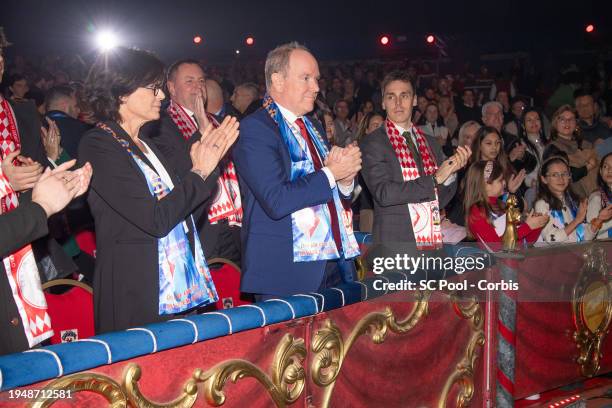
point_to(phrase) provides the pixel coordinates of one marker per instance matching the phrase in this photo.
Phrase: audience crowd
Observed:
(507, 133)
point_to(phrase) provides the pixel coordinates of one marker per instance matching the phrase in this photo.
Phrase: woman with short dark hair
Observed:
(150, 264)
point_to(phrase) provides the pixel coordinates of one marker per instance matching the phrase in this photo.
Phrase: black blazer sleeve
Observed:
(120, 183)
(29, 124)
(25, 224)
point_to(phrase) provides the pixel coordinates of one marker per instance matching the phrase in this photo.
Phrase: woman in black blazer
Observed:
(147, 250)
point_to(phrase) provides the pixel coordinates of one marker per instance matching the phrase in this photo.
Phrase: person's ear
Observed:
(278, 82)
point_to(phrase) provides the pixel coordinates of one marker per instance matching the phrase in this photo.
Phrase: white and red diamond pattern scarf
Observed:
(227, 202)
(425, 217)
(20, 266)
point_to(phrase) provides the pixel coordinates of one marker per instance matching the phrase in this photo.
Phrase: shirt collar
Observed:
(190, 113)
(187, 111)
(400, 129)
(287, 114)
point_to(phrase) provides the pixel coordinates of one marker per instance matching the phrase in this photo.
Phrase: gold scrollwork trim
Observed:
(329, 349)
(590, 333)
(97, 383)
(130, 385)
(463, 375)
(285, 385)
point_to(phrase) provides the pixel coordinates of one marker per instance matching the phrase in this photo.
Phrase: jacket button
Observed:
(15, 321)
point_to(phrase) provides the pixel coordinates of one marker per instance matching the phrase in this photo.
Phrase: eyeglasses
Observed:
(567, 120)
(565, 175)
(155, 88)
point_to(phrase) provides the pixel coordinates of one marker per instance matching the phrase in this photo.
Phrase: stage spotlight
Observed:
(106, 40)
(237, 52)
(385, 40)
(250, 41)
(590, 28)
(430, 39)
(197, 39)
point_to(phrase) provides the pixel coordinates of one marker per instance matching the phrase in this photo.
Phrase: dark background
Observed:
(334, 30)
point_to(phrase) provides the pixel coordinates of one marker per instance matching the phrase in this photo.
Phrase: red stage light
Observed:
(384, 40)
(590, 28)
(197, 39)
(250, 41)
(430, 39)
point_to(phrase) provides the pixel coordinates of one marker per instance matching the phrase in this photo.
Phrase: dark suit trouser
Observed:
(336, 272)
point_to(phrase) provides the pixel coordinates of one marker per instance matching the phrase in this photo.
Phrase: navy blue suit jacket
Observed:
(268, 198)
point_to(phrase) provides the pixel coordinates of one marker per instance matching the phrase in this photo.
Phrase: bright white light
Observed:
(237, 51)
(106, 40)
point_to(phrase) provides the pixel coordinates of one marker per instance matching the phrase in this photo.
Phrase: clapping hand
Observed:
(344, 163)
(515, 181)
(200, 110)
(453, 164)
(56, 188)
(536, 220)
(214, 144)
(582, 211)
(24, 176)
(51, 140)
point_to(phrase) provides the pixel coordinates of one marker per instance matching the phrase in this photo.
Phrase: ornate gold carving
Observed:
(285, 386)
(463, 375)
(513, 217)
(592, 309)
(288, 377)
(329, 349)
(362, 268)
(130, 385)
(99, 384)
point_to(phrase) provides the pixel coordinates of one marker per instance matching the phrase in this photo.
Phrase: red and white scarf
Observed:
(227, 202)
(424, 217)
(20, 266)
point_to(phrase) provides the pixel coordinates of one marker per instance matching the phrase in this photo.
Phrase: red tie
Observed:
(317, 164)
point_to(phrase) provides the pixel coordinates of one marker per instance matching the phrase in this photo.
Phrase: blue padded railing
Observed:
(49, 362)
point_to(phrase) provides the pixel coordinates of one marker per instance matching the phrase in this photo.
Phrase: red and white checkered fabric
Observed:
(20, 266)
(227, 202)
(424, 217)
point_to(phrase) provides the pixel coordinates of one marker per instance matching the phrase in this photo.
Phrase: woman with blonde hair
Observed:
(581, 154)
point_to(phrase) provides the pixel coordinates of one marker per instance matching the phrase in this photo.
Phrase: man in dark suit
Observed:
(297, 230)
(406, 173)
(21, 226)
(245, 99)
(63, 108)
(177, 129)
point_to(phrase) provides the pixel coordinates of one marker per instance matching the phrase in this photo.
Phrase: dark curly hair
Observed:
(118, 74)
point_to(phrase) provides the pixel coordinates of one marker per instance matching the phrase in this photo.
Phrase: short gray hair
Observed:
(250, 87)
(486, 106)
(278, 60)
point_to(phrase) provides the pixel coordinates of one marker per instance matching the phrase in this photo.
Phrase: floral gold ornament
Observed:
(463, 375)
(96, 383)
(130, 385)
(285, 385)
(329, 349)
(592, 309)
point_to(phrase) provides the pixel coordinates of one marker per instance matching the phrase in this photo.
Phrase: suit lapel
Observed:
(397, 169)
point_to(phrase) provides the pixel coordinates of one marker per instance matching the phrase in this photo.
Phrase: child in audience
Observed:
(486, 221)
(567, 213)
(599, 210)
